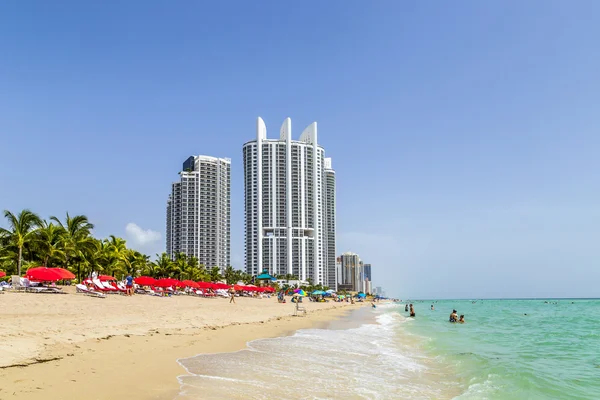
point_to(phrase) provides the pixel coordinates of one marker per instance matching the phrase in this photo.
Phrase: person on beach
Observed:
(453, 316)
(129, 285)
(432, 307)
(412, 311)
(462, 319)
(232, 294)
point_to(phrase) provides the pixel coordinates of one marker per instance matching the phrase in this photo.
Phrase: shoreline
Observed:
(145, 365)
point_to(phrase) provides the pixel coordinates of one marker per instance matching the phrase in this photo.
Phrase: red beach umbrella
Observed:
(64, 273)
(43, 274)
(2, 273)
(191, 284)
(239, 287)
(204, 285)
(221, 286)
(104, 278)
(145, 280)
(166, 282)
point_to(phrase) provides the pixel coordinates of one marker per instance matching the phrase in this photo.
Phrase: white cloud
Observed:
(141, 236)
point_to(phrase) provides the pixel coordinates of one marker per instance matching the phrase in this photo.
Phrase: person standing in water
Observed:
(453, 316)
(432, 307)
(412, 311)
(462, 319)
(406, 307)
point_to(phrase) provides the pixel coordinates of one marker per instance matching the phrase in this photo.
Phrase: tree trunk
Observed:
(19, 261)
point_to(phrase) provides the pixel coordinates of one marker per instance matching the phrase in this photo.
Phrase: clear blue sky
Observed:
(465, 135)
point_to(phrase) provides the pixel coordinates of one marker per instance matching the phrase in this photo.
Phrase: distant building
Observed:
(289, 199)
(199, 211)
(353, 274)
(367, 268)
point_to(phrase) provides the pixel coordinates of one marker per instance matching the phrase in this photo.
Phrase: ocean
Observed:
(507, 349)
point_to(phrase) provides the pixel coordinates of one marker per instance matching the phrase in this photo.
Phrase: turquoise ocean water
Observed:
(515, 349)
(552, 352)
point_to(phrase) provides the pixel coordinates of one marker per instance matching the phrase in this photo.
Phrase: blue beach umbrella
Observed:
(317, 292)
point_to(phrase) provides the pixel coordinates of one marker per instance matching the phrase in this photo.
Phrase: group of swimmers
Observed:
(453, 316)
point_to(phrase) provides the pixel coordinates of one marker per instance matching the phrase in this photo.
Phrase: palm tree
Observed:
(179, 265)
(49, 244)
(215, 274)
(161, 266)
(116, 250)
(230, 275)
(76, 238)
(21, 232)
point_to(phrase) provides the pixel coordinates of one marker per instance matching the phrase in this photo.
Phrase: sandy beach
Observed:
(73, 346)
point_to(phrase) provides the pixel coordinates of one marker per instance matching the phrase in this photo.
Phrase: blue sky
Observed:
(464, 134)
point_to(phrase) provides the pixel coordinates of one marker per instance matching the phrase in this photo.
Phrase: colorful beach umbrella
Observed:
(2, 274)
(104, 278)
(300, 292)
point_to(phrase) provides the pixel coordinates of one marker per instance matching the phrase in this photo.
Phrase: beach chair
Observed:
(299, 309)
(115, 286)
(81, 288)
(100, 287)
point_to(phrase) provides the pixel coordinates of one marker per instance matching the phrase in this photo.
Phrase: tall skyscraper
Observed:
(368, 272)
(199, 211)
(331, 278)
(289, 205)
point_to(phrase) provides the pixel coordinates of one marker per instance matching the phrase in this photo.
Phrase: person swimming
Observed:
(412, 311)
(453, 316)
(432, 307)
(462, 319)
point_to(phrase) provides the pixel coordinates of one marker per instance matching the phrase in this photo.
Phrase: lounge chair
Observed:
(115, 286)
(99, 286)
(36, 288)
(81, 288)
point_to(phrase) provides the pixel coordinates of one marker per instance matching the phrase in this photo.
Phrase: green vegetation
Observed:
(30, 241)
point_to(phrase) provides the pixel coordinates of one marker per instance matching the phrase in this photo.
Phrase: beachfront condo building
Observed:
(199, 211)
(367, 268)
(289, 198)
(353, 274)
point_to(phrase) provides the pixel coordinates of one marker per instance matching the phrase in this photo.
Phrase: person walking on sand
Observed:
(232, 294)
(129, 285)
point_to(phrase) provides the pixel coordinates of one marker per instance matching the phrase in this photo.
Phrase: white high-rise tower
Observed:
(287, 203)
(199, 211)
